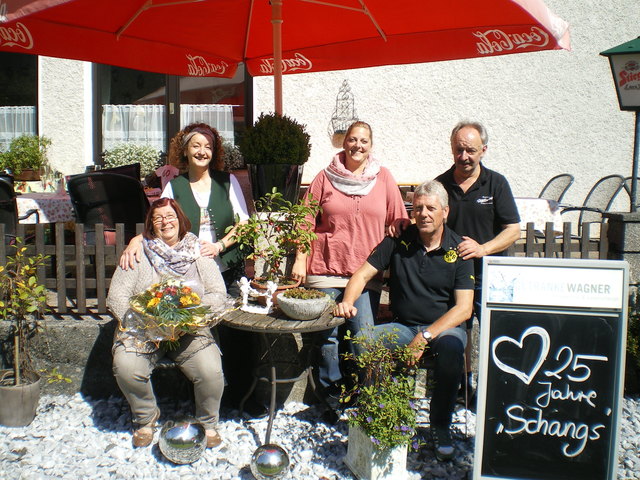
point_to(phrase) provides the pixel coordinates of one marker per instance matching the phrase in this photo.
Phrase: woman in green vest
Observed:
(210, 197)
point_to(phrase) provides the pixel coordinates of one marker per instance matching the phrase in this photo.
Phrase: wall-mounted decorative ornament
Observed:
(343, 115)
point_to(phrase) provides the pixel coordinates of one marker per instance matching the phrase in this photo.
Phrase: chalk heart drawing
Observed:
(526, 377)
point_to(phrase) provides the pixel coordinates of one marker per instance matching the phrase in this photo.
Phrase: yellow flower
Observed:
(153, 302)
(195, 298)
(185, 301)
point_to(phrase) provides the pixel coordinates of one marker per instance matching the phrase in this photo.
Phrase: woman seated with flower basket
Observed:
(166, 305)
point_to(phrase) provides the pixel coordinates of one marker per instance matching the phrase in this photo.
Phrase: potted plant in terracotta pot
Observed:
(22, 301)
(275, 149)
(301, 303)
(382, 419)
(26, 156)
(274, 233)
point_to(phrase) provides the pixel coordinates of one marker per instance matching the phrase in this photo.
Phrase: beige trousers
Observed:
(199, 359)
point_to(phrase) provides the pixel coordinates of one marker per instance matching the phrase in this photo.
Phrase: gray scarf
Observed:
(175, 260)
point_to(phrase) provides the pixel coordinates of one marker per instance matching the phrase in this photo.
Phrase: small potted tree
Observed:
(275, 149)
(382, 419)
(26, 156)
(274, 233)
(22, 301)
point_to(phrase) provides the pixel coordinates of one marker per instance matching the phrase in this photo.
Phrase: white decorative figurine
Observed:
(250, 297)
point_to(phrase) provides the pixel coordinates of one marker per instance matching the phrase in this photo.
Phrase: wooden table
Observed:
(52, 207)
(279, 324)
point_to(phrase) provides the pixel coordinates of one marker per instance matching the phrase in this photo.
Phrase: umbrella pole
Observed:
(276, 23)
(634, 167)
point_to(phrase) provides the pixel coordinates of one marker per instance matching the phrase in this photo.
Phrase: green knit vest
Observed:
(220, 209)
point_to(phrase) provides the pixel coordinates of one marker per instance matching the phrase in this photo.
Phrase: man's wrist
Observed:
(223, 247)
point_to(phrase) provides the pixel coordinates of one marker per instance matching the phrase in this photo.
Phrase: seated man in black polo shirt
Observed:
(431, 292)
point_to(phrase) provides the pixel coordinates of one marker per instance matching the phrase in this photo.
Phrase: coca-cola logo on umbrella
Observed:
(494, 41)
(16, 36)
(199, 67)
(297, 63)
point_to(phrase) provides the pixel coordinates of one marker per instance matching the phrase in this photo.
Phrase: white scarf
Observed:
(348, 183)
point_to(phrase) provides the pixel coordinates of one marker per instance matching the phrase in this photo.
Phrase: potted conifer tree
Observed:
(275, 149)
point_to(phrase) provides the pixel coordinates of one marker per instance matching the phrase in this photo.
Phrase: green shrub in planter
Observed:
(276, 139)
(128, 153)
(382, 394)
(25, 152)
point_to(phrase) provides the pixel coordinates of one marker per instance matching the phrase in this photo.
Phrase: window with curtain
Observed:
(18, 96)
(219, 102)
(145, 124)
(131, 113)
(133, 106)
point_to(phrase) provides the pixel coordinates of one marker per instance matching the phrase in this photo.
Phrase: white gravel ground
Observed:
(77, 438)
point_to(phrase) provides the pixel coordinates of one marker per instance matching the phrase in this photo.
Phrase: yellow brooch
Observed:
(451, 256)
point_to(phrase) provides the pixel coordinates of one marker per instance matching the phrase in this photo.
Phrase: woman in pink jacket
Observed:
(359, 200)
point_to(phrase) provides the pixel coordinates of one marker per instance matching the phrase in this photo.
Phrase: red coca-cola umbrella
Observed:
(211, 37)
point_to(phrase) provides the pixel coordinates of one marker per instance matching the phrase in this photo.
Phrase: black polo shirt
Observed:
(481, 212)
(422, 283)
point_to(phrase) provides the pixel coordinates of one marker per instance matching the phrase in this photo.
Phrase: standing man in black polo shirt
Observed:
(482, 208)
(431, 292)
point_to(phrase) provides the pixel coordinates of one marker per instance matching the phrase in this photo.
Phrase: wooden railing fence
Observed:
(78, 276)
(554, 244)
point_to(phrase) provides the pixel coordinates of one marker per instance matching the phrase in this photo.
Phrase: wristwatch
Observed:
(427, 335)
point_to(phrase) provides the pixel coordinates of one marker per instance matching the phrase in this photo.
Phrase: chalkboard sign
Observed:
(550, 376)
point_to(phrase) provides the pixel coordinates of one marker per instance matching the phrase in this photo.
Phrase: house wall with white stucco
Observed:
(64, 113)
(547, 113)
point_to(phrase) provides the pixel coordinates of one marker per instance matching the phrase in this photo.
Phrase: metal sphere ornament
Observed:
(182, 441)
(269, 461)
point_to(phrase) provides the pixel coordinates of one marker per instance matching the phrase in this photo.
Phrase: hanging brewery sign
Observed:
(625, 67)
(627, 71)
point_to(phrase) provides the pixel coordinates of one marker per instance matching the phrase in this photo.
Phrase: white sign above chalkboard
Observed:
(580, 287)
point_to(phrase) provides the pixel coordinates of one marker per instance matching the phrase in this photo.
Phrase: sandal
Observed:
(143, 436)
(213, 438)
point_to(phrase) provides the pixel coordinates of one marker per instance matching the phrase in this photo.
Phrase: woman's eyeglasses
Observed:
(167, 218)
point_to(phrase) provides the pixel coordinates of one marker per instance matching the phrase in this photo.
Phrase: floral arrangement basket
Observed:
(167, 310)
